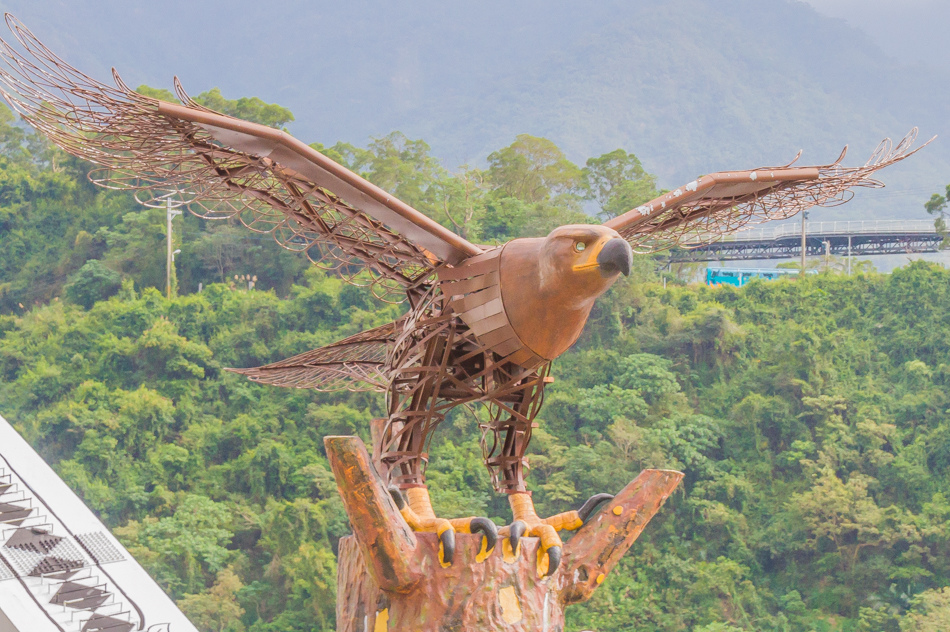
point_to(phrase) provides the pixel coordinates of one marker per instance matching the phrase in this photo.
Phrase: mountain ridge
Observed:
(689, 86)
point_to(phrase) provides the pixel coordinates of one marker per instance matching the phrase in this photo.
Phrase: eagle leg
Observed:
(417, 511)
(526, 521)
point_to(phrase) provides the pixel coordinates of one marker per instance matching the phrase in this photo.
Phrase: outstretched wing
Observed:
(721, 203)
(223, 167)
(353, 364)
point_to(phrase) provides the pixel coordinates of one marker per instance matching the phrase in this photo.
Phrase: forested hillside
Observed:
(810, 416)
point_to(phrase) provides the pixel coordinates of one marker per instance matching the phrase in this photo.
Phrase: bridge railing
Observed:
(850, 227)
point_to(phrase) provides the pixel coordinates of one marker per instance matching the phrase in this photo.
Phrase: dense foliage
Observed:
(810, 416)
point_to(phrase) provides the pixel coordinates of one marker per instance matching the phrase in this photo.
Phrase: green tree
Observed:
(930, 612)
(93, 282)
(937, 206)
(532, 169)
(618, 182)
(218, 609)
(403, 167)
(251, 109)
(186, 549)
(12, 138)
(136, 246)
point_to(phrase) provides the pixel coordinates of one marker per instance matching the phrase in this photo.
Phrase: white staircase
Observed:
(65, 580)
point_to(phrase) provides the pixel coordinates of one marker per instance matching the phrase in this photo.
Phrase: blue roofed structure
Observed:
(741, 276)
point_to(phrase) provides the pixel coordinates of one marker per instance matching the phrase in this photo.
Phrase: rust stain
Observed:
(382, 620)
(484, 552)
(543, 563)
(510, 607)
(509, 555)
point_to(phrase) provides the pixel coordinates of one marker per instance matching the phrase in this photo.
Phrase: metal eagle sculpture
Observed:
(483, 323)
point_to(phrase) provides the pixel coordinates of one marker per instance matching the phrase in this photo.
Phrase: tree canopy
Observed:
(809, 415)
(251, 109)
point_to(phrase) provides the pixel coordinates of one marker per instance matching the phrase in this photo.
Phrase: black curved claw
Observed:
(588, 508)
(515, 532)
(397, 497)
(488, 529)
(554, 560)
(448, 546)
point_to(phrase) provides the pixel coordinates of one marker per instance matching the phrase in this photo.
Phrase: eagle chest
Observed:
(473, 291)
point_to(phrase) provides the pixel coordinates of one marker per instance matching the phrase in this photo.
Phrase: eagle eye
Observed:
(579, 246)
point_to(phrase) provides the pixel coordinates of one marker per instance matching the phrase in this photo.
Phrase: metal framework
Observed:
(855, 238)
(713, 206)
(483, 323)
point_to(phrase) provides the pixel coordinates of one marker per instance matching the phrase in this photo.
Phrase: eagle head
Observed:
(548, 285)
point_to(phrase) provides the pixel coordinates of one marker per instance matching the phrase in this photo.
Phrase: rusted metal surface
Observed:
(501, 590)
(354, 364)
(280, 147)
(438, 363)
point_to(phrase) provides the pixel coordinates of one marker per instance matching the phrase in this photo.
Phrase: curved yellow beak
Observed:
(611, 255)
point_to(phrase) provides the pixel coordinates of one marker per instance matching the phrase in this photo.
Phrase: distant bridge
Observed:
(855, 238)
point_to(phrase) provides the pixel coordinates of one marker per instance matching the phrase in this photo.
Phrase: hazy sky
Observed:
(909, 30)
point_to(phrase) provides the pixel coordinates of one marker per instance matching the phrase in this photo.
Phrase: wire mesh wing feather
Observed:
(225, 168)
(715, 205)
(353, 364)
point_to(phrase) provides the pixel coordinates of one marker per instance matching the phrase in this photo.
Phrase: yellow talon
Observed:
(416, 509)
(484, 552)
(549, 553)
(461, 525)
(442, 556)
(420, 517)
(508, 553)
(543, 562)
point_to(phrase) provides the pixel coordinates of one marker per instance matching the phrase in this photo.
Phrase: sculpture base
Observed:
(469, 595)
(390, 578)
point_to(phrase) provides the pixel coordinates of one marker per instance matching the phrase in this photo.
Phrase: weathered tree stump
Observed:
(390, 578)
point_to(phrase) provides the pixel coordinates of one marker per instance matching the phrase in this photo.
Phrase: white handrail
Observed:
(851, 227)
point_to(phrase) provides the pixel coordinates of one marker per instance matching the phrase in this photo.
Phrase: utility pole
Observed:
(170, 213)
(804, 217)
(849, 254)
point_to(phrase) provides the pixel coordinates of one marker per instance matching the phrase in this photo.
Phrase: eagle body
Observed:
(487, 332)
